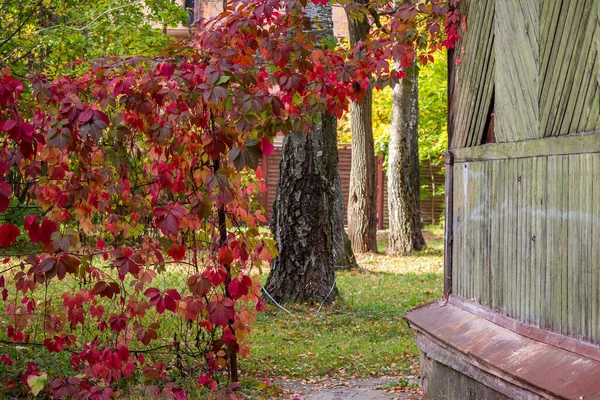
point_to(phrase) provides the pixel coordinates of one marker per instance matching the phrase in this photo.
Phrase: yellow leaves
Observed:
(36, 383)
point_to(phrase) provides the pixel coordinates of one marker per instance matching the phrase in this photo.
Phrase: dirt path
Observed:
(351, 389)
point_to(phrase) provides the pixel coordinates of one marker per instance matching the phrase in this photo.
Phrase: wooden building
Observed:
(521, 317)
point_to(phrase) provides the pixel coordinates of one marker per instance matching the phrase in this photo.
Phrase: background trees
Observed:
(46, 36)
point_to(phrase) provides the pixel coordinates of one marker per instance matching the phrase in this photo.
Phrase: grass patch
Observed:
(363, 334)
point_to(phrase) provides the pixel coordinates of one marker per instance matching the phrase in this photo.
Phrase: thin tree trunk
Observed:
(343, 256)
(404, 184)
(306, 220)
(362, 208)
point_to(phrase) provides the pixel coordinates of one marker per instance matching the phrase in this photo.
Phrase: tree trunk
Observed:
(343, 256)
(306, 220)
(301, 222)
(404, 184)
(362, 207)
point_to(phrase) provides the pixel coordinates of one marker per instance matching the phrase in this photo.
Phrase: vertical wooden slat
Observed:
(458, 242)
(468, 231)
(574, 241)
(496, 221)
(564, 244)
(540, 242)
(586, 213)
(449, 226)
(511, 234)
(595, 246)
(553, 286)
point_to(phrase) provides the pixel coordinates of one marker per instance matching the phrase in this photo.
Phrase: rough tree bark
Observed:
(306, 220)
(404, 185)
(362, 208)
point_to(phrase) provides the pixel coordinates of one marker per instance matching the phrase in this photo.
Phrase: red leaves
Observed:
(118, 323)
(225, 256)
(199, 285)
(43, 232)
(93, 123)
(8, 234)
(10, 89)
(147, 335)
(58, 343)
(221, 312)
(104, 289)
(239, 287)
(126, 261)
(165, 69)
(167, 219)
(166, 301)
(5, 192)
(265, 144)
(177, 252)
(58, 266)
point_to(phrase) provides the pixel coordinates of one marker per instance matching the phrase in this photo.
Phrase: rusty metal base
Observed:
(466, 356)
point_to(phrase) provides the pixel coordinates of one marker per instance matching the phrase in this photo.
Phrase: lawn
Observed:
(363, 334)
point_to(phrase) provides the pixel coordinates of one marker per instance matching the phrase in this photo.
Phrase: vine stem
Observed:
(233, 364)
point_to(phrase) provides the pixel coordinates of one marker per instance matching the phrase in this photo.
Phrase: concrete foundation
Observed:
(443, 383)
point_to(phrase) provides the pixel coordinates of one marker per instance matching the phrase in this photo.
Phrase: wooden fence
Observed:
(432, 203)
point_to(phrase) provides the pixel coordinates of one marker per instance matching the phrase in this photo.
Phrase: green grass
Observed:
(363, 334)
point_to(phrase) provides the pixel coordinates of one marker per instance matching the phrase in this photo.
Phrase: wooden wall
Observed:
(527, 239)
(533, 64)
(524, 118)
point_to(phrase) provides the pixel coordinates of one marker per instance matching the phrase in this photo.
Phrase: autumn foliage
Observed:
(133, 180)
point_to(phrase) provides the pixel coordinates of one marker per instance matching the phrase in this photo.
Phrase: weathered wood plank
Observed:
(472, 81)
(513, 242)
(574, 242)
(586, 215)
(564, 246)
(559, 71)
(517, 56)
(496, 223)
(576, 89)
(563, 145)
(485, 242)
(540, 240)
(449, 225)
(482, 95)
(595, 246)
(553, 250)
(456, 231)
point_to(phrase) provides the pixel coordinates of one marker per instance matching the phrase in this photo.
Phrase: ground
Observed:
(360, 347)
